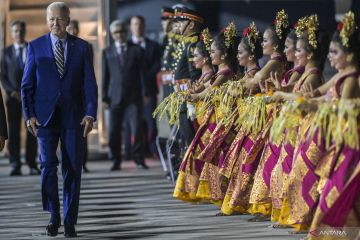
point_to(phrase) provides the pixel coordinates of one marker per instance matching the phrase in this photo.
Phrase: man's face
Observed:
(137, 27)
(183, 25)
(18, 33)
(57, 21)
(72, 30)
(119, 34)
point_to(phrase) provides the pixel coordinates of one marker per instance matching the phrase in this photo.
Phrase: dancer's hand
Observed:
(275, 79)
(276, 97)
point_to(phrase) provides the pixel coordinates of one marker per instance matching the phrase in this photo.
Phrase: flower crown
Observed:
(309, 24)
(229, 33)
(252, 34)
(206, 38)
(281, 23)
(346, 28)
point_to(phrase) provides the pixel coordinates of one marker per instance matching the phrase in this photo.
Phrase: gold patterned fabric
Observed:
(209, 187)
(188, 180)
(241, 195)
(302, 194)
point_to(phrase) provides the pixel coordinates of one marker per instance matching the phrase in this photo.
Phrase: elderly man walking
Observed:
(59, 96)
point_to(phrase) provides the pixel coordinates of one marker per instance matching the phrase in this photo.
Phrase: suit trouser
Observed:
(72, 144)
(86, 152)
(186, 130)
(150, 128)
(14, 113)
(133, 111)
(152, 131)
(167, 90)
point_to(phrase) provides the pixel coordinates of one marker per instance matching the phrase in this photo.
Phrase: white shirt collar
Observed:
(118, 44)
(17, 46)
(136, 40)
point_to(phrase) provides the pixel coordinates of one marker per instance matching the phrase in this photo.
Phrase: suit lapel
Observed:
(127, 56)
(70, 50)
(114, 55)
(26, 46)
(13, 57)
(50, 53)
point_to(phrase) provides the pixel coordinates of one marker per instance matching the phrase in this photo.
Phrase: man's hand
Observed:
(2, 143)
(31, 125)
(88, 123)
(16, 95)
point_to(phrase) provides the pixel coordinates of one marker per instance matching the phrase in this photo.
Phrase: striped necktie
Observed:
(59, 57)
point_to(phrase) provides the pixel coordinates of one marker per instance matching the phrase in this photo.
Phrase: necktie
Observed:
(20, 57)
(59, 57)
(122, 55)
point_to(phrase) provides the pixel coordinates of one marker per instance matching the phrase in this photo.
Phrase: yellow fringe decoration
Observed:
(253, 119)
(288, 118)
(338, 123)
(171, 105)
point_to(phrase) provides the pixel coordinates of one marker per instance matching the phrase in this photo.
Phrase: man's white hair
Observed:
(117, 23)
(59, 5)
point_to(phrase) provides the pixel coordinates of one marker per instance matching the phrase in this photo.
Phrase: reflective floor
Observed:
(130, 204)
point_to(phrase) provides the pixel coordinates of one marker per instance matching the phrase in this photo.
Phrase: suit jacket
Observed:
(11, 71)
(43, 90)
(152, 58)
(3, 124)
(123, 83)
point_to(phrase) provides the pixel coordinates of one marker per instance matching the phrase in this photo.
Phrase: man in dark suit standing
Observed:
(3, 125)
(13, 60)
(124, 92)
(152, 56)
(74, 30)
(59, 94)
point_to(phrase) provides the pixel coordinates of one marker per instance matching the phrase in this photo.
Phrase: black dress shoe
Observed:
(116, 167)
(142, 166)
(34, 171)
(70, 232)
(85, 169)
(52, 229)
(16, 172)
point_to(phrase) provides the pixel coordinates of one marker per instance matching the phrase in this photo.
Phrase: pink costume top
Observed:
(335, 91)
(288, 74)
(225, 72)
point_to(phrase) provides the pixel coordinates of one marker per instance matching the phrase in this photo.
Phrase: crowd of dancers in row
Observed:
(277, 142)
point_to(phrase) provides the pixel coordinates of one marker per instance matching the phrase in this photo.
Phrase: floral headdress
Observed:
(229, 33)
(346, 28)
(206, 38)
(281, 23)
(309, 24)
(252, 34)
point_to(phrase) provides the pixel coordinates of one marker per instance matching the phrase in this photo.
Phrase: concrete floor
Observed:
(131, 204)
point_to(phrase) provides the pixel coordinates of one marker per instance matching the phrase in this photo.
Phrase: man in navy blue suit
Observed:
(59, 96)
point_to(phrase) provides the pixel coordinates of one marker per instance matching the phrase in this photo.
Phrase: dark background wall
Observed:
(219, 13)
